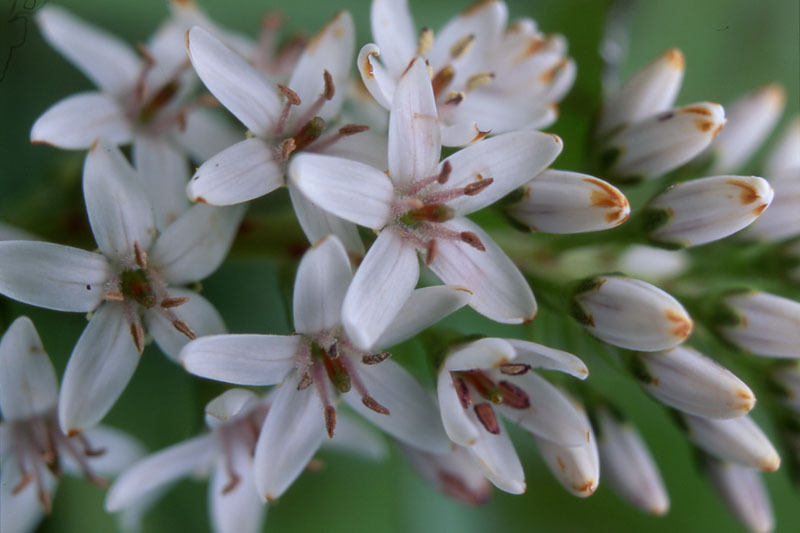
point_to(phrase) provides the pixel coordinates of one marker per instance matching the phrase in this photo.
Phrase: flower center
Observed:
(473, 386)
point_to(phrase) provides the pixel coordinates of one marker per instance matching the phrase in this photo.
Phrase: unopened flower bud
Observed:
(651, 263)
(786, 379)
(739, 440)
(761, 323)
(782, 219)
(744, 494)
(707, 209)
(653, 147)
(687, 380)
(630, 313)
(786, 154)
(568, 202)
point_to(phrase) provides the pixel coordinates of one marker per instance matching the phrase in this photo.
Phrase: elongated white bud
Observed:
(630, 313)
(577, 468)
(786, 153)
(651, 263)
(744, 494)
(738, 440)
(650, 91)
(761, 323)
(568, 202)
(707, 209)
(652, 147)
(627, 465)
(750, 121)
(786, 378)
(687, 380)
(456, 473)
(782, 219)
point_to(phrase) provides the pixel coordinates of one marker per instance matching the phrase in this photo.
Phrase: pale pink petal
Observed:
(320, 285)
(100, 367)
(379, 289)
(499, 291)
(414, 142)
(379, 82)
(347, 189)
(499, 459)
(393, 31)
(233, 403)
(78, 120)
(482, 354)
(163, 172)
(242, 172)
(239, 510)
(540, 356)
(318, 223)
(119, 211)
(198, 313)
(52, 276)
(236, 84)
(207, 133)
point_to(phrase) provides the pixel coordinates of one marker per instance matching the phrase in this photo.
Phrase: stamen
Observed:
(442, 79)
(140, 256)
(375, 358)
(287, 147)
(329, 90)
(137, 332)
(68, 446)
(425, 41)
(88, 450)
(233, 477)
(431, 252)
(477, 186)
(309, 115)
(453, 98)
(462, 390)
(513, 396)
(482, 385)
(233, 480)
(514, 369)
(113, 296)
(462, 46)
(141, 81)
(305, 381)
(291, 99)
(441, 178)
(167, 303)
(322, 389)
(473, 240)
(309, 133)
(26, 478)
(184, 328)
(444, 174)
(344, 131)
(372, 403)
(479, 80)
(330, 420)
(486, 415)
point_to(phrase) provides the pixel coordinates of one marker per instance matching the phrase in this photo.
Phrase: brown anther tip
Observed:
(305, 381)
(513, 396)
(140, 256)
(329, 89)
(138, 336)
(287, 147)
(372, 403)
(444, 174)
(473, 240)
(167, 303)
(113, 296)
(352, 129)
(454, 98)
(232, 483)
(146, 54)
(330, 420)
(289, 94)
(477, 186)
(27, 477)
(184, 328)
(462, 46)
(487, 418)
(431, 251)
(375, 358)
(514, 369)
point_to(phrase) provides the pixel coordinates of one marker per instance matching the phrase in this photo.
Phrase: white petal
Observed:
(52, 276)
(194, 246)
(348, 189)
(369, 147)
(414, 143)
(498, 112)
(550, 416)
(424, 308)
(499, 291)
(28, 510)
(106, 60)
(460, 133)
(233, 81)
(413, 416)
(785, 156)
(651, 263)
(540, 356)
(628, 466)
(163, 171)
(159, 469)
(239, 510)
(393, 31)
(738, 440)
(743, 492)
(685, 379)
(230, 404)
(458, 474)
(459, 426)
(499, 459)
(651, 90)
(242, 172)
(78, 120)
(379, 82)
(100, 367)
(318, 223)
(119, 211)
(292, 433)
(320, 285)
(242, 359)
(207, 133)
(200, 314)
(332, 50)
(511, 160)
(482, 354)
(631, 313)
(568, 202)
(782, 219)
(379, 288)
(120, 450)
(766, 324)
(707, 209)
(353, 437)
(577, 468)
(28, 383)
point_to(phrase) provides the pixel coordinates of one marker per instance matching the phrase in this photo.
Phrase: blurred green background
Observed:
(731, 47)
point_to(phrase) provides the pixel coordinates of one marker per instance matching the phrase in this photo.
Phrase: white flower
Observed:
(787, 379)
(320, 363)
(630, 313)
(738, 440)
(495, 374)
(484, 78)
(556, 201)
(706, 209)
(743, 492)
(687, 380)
(457, 473)
(761, 323)
(34, 449)
(420, 206)
(129, 282)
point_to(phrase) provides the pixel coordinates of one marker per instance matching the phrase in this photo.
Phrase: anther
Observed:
(27, 477)
(167, 303)
(462, 391)
(375, 358)
(184, 328)
(138, 336)
(431, 251)
(140, 256)
(287, 147)
(444, 174)
(477, 186)
(442, 79)
(372, 403)
(479, 80)
(513, 396)
(291, 97)
(462, 46)
(305, 381)
(473, 240)
(88, 450)
(454, 98)
(514, 369)
(486, 415)
(233, 482)
(425, 41)
(329, 89)
(352, 129)
(330, 420)
(113, 296)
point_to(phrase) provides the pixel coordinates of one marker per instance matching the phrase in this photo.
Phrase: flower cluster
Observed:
(388, 174)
